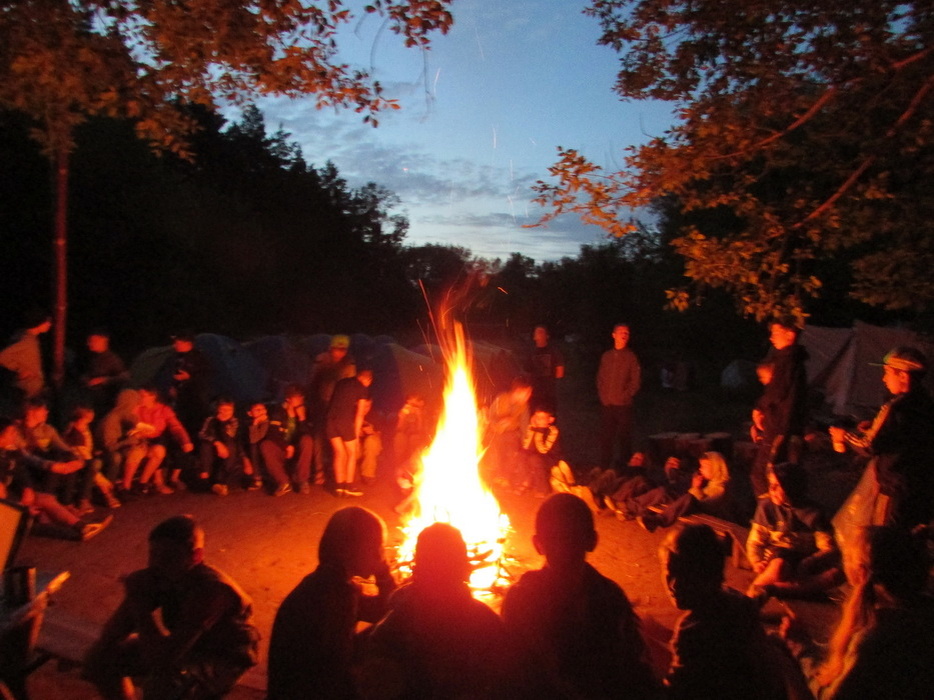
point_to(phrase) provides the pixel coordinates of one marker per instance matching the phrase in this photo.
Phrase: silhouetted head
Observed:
(441, 556)
(564, 530)
(175, 546)
(353, 541)
(692, 565)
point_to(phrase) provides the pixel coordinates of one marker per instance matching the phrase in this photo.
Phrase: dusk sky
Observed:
(482, 114)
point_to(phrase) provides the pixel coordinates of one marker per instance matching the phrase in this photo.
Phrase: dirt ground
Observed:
(268, 544)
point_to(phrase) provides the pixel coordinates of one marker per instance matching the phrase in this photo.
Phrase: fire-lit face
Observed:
(522, 394)
(765, 375)
(541, 419)
(98, 343)
(776, 493)
(258, 413)
(8, 438)
(182, 346)
(147, 398)
(620, 337)
(337, 353)
(36, 415)
(225, 411)
(365, 378)
(896, 381)
(781, 337)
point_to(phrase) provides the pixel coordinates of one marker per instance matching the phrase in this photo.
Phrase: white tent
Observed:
(839, 363)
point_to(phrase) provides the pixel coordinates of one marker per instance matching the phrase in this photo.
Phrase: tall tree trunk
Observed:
(60, 257)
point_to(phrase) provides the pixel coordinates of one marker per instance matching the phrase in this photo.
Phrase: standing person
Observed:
(186, 379)
(573, 631)
(349, 405)
(23, 357)
(900, 445)
(618, 381)
(783, 405)
(105, 374)
(312, 643)
(185, 628)
(545, 367)
(329, 368)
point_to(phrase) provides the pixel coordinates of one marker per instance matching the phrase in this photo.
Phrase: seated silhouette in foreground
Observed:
(719, 649)
(437, 641)
(884, 643)
(184, 629)
(572, 632)
(312, 645)
(791, 545)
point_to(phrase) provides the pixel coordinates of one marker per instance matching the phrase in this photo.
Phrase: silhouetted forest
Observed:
(250, 238)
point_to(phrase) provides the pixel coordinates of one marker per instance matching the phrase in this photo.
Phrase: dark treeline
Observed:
(248, 238)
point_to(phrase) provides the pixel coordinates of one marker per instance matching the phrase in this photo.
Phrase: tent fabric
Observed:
(839, 364)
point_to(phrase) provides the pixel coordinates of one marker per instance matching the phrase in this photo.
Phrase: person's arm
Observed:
(373, 607)
(363, 407)
(756, 545)
(177, 430)
(198, 615)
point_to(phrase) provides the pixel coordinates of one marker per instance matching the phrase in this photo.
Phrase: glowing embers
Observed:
(449, 488)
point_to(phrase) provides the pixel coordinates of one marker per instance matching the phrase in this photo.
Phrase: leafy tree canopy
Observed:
(803, 142)
(63, 60)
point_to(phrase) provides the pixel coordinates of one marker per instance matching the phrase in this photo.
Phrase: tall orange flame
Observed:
(450, 488)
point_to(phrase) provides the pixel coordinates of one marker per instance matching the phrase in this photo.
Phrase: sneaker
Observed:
(164, 489)
(611, 504)
(303, 488)
(85, 507)
(220, 489)
(282, 489)
(340, 493)
(352, 491)
(111, 501)
(255, 485)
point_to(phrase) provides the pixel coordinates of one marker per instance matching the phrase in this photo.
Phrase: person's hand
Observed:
(181, 376)
(96, 381)
(697, 481)
(791, 630)
(187, 447)
(759, 567)
(221, 450)
(67, 467)
(289, 451)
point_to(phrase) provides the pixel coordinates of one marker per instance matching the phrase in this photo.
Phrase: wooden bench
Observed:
(735, 533)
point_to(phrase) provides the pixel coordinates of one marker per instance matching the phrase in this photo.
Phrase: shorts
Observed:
(343, 429)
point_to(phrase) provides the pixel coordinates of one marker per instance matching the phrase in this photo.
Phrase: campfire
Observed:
(449, 488)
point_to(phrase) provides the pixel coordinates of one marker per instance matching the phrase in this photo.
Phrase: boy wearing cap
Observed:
(329, 368)
(900, 443)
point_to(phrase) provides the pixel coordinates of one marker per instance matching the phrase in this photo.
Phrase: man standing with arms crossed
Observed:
(618, 380)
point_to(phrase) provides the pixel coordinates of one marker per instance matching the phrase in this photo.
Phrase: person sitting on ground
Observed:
(184, 629)
(507, 418)
(118, 437)
(155, 423)
(79, 437)
(541, 450)
(709, 494)
(791, 546)
(267, 449)
(572, 631)
(219, 449)
(371, 445)
(291, 419)
(312, 645)
(349, 405)
(719, 648)
(72, 487)
(636, 496)
(437, 641)
(884, 642)
(16, 484)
